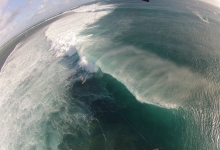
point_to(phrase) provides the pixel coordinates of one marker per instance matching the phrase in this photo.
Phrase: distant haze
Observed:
(212, 2)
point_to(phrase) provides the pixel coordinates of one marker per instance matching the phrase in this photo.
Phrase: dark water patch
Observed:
(156, 124)
(118, 121)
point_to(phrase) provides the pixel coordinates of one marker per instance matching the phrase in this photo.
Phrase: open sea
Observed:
(114, 75)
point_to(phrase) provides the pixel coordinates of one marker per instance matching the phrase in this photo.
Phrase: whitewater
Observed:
(155, 80)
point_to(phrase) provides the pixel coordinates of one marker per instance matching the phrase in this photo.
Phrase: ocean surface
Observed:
(115, 75)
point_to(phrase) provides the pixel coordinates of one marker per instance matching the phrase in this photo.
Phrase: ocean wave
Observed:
(36, 113)
(148, 77)
(154, 80)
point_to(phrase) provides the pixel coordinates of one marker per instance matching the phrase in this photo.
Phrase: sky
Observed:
(18, 15)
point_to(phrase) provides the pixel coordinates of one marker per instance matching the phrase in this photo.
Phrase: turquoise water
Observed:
(116, 75)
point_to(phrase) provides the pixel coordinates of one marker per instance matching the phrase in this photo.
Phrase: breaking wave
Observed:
(43, 114)
(63, 34)
(149, 78)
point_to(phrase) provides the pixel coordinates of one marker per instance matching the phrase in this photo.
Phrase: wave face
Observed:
(146, 71)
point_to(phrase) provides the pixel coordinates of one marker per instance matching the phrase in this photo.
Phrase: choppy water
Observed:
(116, 75)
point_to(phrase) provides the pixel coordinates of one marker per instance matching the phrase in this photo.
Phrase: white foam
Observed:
(32, 89)
(25, 79)
(94, 8)
(64, 34)
(64, 45)
(85, 64)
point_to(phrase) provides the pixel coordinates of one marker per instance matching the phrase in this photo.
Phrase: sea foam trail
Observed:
(201, 17)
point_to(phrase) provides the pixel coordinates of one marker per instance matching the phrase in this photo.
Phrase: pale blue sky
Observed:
(18, 15)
